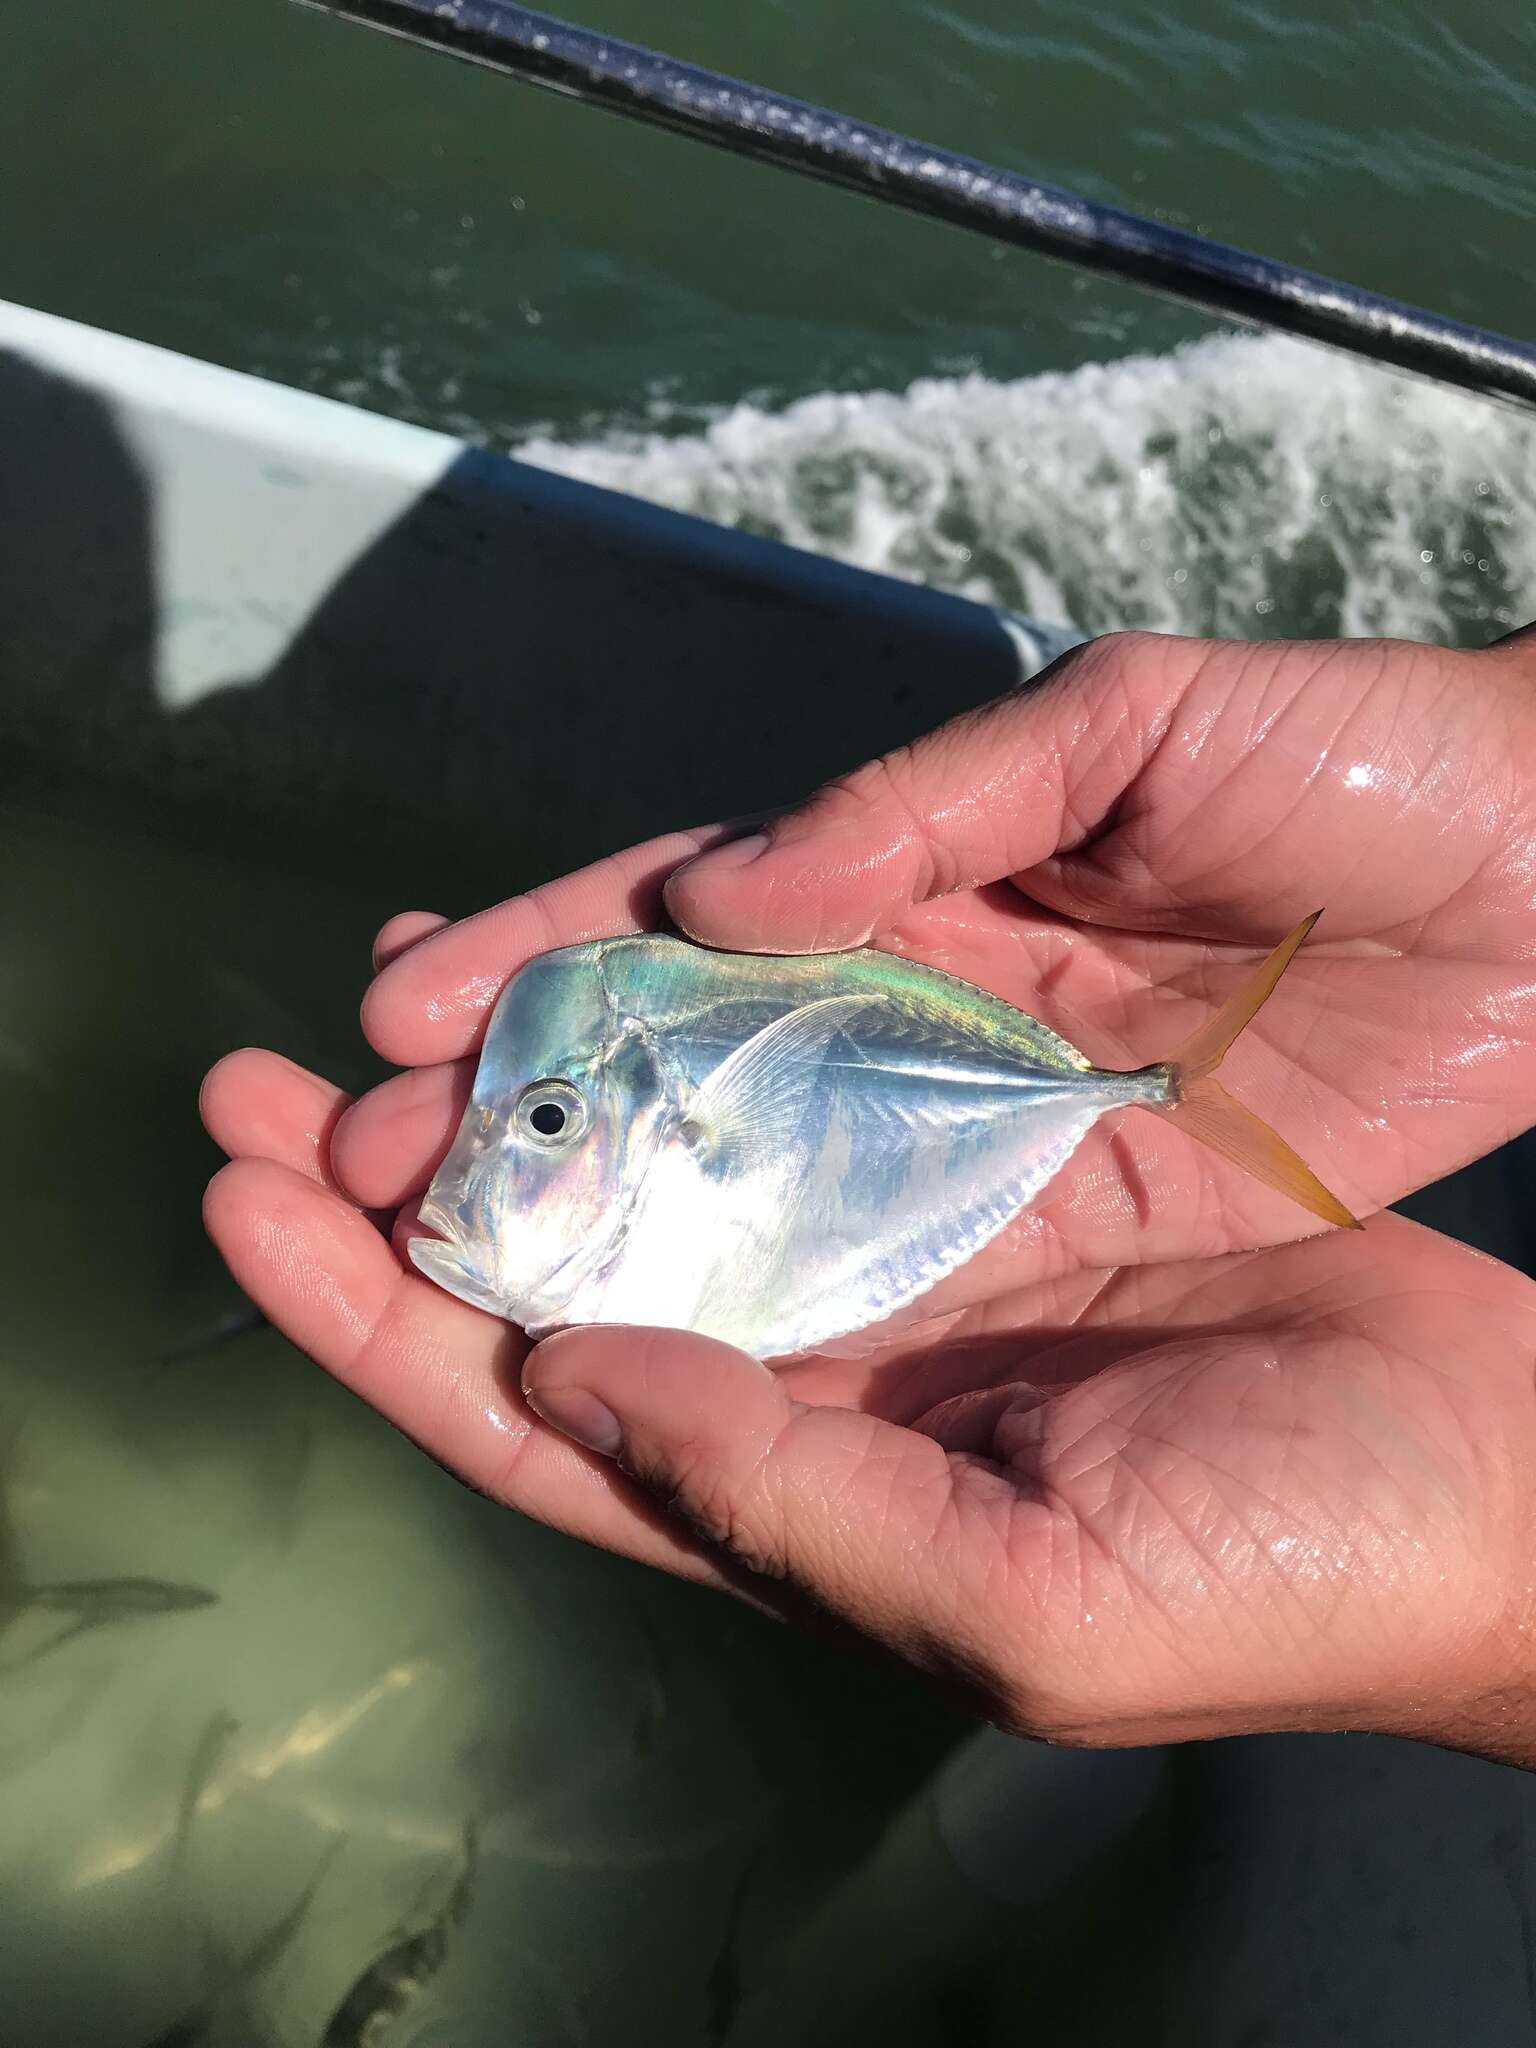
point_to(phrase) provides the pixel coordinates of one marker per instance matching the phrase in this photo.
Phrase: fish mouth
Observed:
(440, 1221)
(446, 1264)
(444, 1258)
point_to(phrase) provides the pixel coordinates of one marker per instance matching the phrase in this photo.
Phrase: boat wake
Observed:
(1245, 485)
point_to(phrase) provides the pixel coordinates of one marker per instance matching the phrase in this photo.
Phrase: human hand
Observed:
(1133, 1481)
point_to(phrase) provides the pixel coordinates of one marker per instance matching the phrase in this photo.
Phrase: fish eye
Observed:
(551, 1113)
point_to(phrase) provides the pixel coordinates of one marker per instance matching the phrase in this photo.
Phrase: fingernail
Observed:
(580, 1416)
(735, 853)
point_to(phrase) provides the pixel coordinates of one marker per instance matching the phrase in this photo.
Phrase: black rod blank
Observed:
(880, 164)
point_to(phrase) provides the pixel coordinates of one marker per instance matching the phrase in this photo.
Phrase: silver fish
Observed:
(777, 1151)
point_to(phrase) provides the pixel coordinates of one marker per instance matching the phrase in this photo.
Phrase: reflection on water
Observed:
(301, 1742)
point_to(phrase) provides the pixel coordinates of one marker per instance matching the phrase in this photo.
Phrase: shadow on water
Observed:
(518, 675)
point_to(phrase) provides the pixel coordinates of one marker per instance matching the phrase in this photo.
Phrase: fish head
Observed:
(568, 1104)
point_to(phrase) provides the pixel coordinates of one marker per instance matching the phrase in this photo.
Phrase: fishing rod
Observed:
(796, 135)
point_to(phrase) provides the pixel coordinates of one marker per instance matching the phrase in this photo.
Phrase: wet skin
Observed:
(1161, 1464)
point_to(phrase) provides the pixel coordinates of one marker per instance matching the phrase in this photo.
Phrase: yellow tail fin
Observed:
(1204, 1110)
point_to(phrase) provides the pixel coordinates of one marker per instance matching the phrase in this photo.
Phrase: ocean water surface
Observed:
(278, 191)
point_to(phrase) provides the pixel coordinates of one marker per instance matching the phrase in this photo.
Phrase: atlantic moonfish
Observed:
(779, 1151)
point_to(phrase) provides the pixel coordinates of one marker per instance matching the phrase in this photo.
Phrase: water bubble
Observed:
(1426, 554)
(1265, 604)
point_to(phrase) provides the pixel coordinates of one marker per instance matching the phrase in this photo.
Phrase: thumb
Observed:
(992, 793)
(842, 1506)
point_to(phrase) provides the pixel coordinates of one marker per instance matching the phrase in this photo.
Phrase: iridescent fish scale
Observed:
(775, 1151)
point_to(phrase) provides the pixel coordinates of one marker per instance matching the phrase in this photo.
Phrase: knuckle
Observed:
(1140, 662)
(717, 1509)
(507, 1484)
(862, 791)
(888, 794)
(1127, 643)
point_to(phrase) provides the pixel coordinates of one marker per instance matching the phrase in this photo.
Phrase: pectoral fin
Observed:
(762, 1091)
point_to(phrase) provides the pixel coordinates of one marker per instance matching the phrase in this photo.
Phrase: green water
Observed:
(273, 189)
(319, 1748)
(299, 1741)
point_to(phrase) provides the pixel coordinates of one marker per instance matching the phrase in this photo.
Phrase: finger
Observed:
(398, 934)
(988, 795)
(388, 1145)
(258, 1105)
(968, 1422)
(437, 1369)
(431, 1003)
(1359, 774)
(866, 1519)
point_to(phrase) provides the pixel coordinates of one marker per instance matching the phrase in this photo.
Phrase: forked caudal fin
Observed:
(1204, 1110)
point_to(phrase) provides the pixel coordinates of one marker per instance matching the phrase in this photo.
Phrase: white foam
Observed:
(1240, 485)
